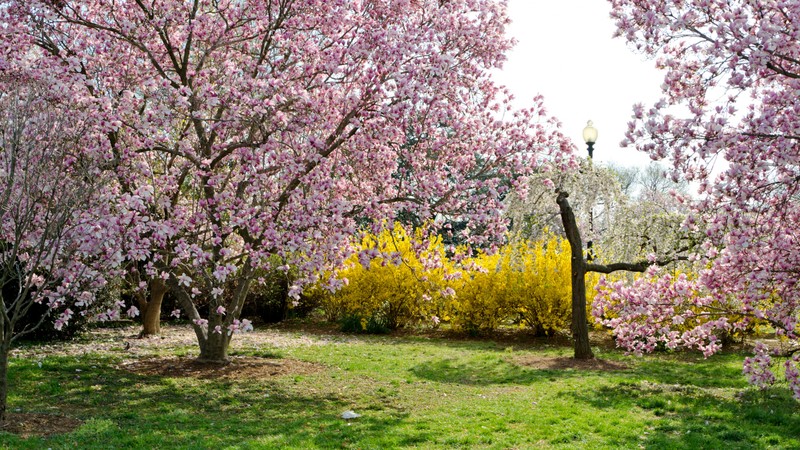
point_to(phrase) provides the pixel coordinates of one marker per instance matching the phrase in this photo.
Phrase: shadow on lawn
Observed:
(498, 342)
(718, 371)
(127, 410)
(688, 417)
(498, 370)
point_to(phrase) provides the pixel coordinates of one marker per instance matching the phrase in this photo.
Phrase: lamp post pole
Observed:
(590, 137)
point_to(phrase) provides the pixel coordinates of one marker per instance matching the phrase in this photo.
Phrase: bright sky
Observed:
(565, 52)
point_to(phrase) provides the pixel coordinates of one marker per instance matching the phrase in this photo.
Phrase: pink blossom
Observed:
(758, 368)
(448, 292)
(63, 319)
(184, 280)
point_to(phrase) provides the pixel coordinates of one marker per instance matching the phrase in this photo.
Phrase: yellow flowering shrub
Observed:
(544, 298)
(392, 291)
(482, 293)
(524, 283)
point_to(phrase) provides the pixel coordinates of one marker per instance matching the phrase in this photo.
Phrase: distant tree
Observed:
(648, 219)
(627, 176)
(656, 185)
(651, 182)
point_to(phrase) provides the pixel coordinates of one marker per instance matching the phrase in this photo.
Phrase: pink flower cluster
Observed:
(758, 369)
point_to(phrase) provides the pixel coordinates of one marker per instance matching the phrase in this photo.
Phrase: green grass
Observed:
(412, 392)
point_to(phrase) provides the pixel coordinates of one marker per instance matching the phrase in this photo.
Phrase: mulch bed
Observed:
(29, 424)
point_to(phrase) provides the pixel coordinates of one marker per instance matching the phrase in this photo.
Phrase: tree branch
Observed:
(639, 266)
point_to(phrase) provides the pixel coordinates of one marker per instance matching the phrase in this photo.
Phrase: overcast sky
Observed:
(566, 52)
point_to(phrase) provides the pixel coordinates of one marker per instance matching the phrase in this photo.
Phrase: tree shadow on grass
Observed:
(457, 341)
(689, 417)
(499, 371)
(718, 371)
(128, 410)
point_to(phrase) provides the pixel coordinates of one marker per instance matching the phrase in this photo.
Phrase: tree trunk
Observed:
(215, 348)
(4, 349)
(580, 328)
(213, 344)
(151, 316)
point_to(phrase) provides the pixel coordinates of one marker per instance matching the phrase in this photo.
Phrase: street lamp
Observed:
(590, 136)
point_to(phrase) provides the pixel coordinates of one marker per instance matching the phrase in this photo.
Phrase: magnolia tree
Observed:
(731, 107)
(52, 220)
(255, 135)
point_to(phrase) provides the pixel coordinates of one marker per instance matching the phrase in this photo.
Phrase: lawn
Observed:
(291, 386)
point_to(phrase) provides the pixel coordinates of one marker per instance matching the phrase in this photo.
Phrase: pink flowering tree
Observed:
(728, 121)
(255, 135)
(54, 247)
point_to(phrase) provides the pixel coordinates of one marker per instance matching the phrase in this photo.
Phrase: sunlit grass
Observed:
(412, 393)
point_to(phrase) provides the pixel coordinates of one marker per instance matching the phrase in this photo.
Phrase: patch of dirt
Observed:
(29, 424)
(237, 368)
(563, 363)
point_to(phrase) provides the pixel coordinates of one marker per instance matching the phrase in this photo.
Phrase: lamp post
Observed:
(590, 136)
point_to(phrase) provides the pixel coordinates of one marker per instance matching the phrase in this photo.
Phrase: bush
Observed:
(525, 283)
(47, 331)
(268, 298)
(544, 297)
(357, 324)
(393, 290)
(481, 303)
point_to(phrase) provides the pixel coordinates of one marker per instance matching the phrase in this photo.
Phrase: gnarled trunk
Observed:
(580, 327)
(151, 313)
(213, 341)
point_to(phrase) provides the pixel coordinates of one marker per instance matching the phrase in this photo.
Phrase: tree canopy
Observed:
(248, 135)
(728, 121)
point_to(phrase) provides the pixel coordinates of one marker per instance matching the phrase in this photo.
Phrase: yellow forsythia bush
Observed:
(544, 299)
(524, 283)
(481, 302)
(391, 292)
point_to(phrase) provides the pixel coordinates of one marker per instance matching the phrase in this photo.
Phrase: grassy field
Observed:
(412, 392)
